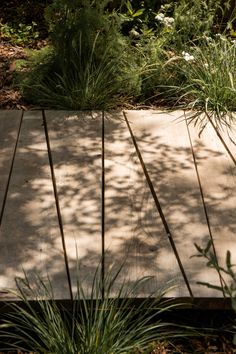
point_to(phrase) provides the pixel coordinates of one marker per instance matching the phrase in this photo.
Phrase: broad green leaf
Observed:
(138, 13)
(129, 7)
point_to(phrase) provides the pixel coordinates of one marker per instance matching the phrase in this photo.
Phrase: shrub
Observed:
(92, 65)
(193, 20)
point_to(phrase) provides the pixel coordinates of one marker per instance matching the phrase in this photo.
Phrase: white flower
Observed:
(187, 56)
(168, 21)
(133, 33)
(209, 39)
(160, 17)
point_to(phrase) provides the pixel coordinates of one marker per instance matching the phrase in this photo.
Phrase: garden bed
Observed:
(103, 56)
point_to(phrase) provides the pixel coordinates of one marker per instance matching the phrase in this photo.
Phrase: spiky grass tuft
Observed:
(95, 324)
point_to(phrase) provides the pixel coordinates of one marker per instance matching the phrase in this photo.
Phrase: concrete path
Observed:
(134, 189)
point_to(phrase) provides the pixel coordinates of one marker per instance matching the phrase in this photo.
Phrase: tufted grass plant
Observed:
(204, 80)
(83, 82)
(93, 325)
(91, 65)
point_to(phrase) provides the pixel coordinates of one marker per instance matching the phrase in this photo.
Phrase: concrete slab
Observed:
(218, 178)
(9, 129)
(135, 236)
(29, 234)
(75, 140)
(164, 144)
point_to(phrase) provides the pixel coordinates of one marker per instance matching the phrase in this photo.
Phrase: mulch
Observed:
(216, 345)
(10, 97)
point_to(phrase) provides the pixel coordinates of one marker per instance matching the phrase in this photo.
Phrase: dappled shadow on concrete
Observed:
(134, 235)
(29, 235)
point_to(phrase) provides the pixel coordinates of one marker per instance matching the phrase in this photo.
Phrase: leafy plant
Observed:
(228, 276)
(108, 325)
(229, 285)
(27, 13)
(21, 34)
(134, 19)
(194, 19)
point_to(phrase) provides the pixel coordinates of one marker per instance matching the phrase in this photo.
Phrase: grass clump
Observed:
(204, 80)
(91, 62)
(93, 325)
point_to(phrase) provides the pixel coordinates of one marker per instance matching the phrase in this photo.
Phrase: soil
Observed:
(219, 345)
(10, 97)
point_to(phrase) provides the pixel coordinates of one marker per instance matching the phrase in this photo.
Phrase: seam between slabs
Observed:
(103, 207)
(159, 208)
(60, 222)
(204, 204)
(11, 169)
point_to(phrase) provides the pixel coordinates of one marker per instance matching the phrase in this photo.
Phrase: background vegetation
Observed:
(104, 54)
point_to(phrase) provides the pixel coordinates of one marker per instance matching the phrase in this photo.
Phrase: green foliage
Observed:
(193, 20)
(150, 57)
(112, 325)
(20, 34)
(91, 64)
(228, 276)
(206, 80)
(138, 17)
(86, 82)
(69, 21)
(27, 12)
(190, 21)
(228, 285)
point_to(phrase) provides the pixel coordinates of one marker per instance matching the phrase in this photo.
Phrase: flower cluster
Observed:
(187, 56)
(167, 21)
(134, 34)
